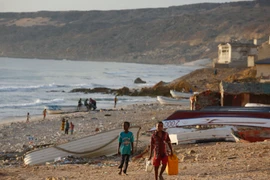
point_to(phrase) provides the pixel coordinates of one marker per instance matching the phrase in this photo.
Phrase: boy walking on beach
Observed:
(71, 128)
(115, 101)
(125, 147)
(44, 113)
(158, 144)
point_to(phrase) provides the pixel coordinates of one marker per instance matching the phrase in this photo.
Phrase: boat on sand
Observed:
(198, 134)
(170, 101)
(176, 94)
(231, 118)
(251, 126)
(58, 109)
(100, 144)
(251, 134)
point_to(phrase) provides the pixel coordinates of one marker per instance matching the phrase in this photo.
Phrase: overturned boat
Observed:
(251, 134)
(200, 134)
(251, 125)
(232, 118)
(100, 144)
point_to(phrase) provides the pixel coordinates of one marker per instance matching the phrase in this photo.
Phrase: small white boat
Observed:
(58, 109)
(171, 101)
(251, 134)
(257, 105)
(197, 135)
(176, 94)
(101, 144)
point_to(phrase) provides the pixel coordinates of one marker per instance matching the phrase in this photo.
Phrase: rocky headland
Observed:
(198, 81)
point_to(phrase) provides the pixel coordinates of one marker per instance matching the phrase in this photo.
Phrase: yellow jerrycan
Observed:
(172, 166)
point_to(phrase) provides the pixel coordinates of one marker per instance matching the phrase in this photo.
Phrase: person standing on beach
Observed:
(115, 101)
(125, 147)
(44, 113)
(67, 127)
(79, 104)
(93, 103)
(159, 140)
(71, 128)
(86, 104)
(28, 117)
(63, 124)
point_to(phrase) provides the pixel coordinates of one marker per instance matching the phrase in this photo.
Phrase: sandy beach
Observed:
(221, 160)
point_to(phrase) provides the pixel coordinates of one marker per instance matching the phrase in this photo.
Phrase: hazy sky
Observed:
(64, 5)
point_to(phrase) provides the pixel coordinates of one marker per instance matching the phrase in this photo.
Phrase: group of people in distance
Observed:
(91, 105)
(159, 141)
(66, 126)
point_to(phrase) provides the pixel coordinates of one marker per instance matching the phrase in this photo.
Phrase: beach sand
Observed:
(220, 160)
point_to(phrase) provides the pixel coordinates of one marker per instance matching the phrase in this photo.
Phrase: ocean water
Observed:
(28, 85)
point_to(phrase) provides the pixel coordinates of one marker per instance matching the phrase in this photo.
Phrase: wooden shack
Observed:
(263, 70)
(205, 98)
(238, 94)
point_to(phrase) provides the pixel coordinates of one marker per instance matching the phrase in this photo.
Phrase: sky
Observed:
(87, 5)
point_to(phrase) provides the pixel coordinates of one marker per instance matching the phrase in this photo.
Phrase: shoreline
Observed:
(36, 117)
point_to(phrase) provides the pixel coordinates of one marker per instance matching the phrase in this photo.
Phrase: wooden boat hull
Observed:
(56, 109)
(100, 144)
(249, 134)
(170, 101)
(191, 118)
(197, 135)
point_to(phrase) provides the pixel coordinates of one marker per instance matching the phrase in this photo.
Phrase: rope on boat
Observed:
(137, 141)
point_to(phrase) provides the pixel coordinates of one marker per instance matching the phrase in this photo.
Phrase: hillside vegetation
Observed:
(162, 35)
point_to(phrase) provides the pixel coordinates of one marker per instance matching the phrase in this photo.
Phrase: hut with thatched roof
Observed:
(238, 94)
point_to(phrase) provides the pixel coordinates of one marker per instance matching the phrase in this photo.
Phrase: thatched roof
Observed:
(238, 88)
(239, 44)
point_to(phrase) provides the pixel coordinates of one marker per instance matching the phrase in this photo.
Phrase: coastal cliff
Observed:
(171, 35)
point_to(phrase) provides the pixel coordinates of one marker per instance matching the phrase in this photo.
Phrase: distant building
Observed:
(263, 70)
(264, 50)
(236, 54)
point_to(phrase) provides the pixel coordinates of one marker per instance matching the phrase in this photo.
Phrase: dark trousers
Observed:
(124, 160)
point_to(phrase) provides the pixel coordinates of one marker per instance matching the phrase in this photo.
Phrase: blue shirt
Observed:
(125, 139)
